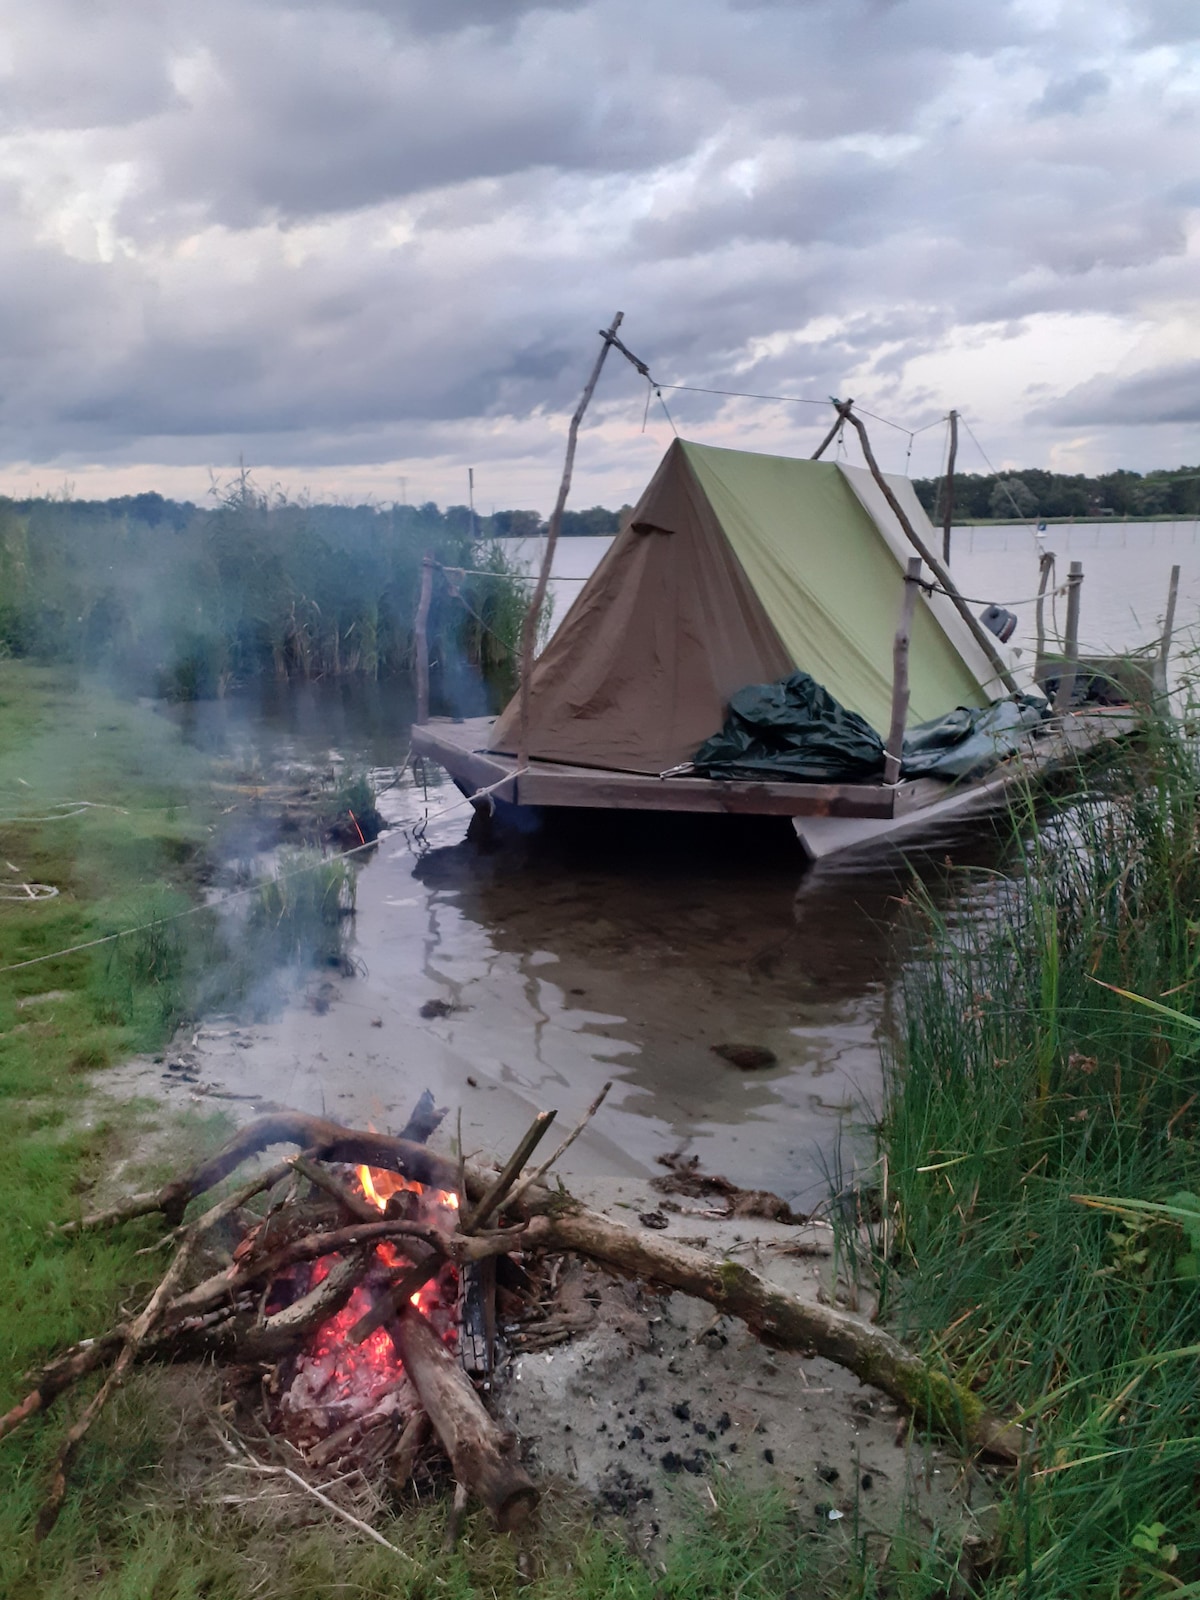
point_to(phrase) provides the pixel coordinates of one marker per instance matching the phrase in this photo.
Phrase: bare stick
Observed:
(138, 1329)
(454, 1521)
(510, 1172)
(1066, 681)
(420, 638)
(482, 1454)
(948, 491)
(404, 1457)
(842, 408)
(978, 632)
(331, 1505)
(895, 740)
(526, 1184)
(529, 628)
(356, 1204)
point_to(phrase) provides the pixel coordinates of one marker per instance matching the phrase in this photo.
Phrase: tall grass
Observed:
(257, 586)
(1022, 1089)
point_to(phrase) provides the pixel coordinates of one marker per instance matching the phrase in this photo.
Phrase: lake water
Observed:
(626, 949)
(1126, 570)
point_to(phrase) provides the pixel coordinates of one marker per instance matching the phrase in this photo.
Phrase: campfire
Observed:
(337, 1395)
(352, 1294)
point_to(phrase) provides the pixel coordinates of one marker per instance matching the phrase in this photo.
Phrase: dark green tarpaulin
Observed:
(968, 742)
(795, 729)
(791, 729)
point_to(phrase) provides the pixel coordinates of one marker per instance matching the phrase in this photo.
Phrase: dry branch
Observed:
(482, 1454)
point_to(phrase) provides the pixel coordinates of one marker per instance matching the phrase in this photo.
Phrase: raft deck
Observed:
(461, 748)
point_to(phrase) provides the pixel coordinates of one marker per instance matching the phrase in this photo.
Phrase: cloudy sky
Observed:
(365, 244)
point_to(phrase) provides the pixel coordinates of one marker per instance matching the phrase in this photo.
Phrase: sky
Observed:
(365, 245)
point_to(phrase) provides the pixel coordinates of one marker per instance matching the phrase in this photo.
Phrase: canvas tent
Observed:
(734, 569)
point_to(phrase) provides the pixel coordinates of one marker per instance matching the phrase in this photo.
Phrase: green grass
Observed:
(1020, 1084)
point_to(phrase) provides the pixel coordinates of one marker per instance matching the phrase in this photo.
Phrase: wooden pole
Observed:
(895, 742)
(948, 489)
(1045, 568)
(533, 615)
(1066, 680)
(842, 408)
(1168, 626)
(978, 632)
(421, 638)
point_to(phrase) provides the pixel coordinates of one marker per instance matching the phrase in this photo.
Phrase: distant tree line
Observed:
(1032, 492)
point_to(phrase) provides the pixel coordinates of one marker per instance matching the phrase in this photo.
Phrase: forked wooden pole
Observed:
(978, 632)
(842, 407)
(529, 629)
(895, 742)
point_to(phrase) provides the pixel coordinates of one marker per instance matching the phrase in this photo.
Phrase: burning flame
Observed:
(340, 1369)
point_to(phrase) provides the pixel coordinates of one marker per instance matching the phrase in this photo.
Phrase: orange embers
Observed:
(334, 1379)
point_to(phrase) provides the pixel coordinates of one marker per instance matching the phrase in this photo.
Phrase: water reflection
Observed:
(600, 945)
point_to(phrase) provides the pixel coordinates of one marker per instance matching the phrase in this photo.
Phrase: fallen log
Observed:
(482, 1454)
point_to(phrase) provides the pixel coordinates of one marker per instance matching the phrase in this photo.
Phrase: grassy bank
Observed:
(1044, 1182)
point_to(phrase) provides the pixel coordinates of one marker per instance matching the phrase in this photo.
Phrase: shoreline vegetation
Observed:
(1036, 1226)
(182, 602)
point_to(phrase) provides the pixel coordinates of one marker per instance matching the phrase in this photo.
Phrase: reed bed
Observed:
(1043, 1178)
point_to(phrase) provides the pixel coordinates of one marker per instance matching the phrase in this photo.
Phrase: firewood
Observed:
(481, 1453)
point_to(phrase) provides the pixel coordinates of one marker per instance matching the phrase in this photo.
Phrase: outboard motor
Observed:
(1000, 622)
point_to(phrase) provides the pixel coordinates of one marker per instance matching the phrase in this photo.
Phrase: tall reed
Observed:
(1021, 1089)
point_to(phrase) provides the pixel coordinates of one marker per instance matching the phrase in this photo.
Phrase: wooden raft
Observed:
(461, 748)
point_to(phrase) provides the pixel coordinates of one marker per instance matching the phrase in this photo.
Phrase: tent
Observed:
(734, 569)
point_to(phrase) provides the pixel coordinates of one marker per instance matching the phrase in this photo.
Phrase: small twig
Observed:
(138, 1330)
(536, 1177)
(454, 1521)
(509, 1174)
(356, 1204)
(331, 1505)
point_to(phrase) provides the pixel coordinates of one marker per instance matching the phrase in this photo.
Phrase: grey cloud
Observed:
(1168, 394)
(1068, 96)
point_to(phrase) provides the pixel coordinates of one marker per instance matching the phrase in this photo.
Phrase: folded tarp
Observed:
(792, 728)
(968, 742)
(795, 729)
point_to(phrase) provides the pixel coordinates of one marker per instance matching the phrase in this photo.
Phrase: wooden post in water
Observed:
(421, 638)
(979, 633)
(1168, 627)
(1066, 681)
(948, 491)
(895, 741)
(533, 615)
(1045, 568)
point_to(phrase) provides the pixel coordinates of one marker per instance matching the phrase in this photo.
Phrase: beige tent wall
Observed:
(830, 582)
(640, 670)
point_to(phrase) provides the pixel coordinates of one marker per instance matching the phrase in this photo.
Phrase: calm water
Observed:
(1126, 568)
(617, 947)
